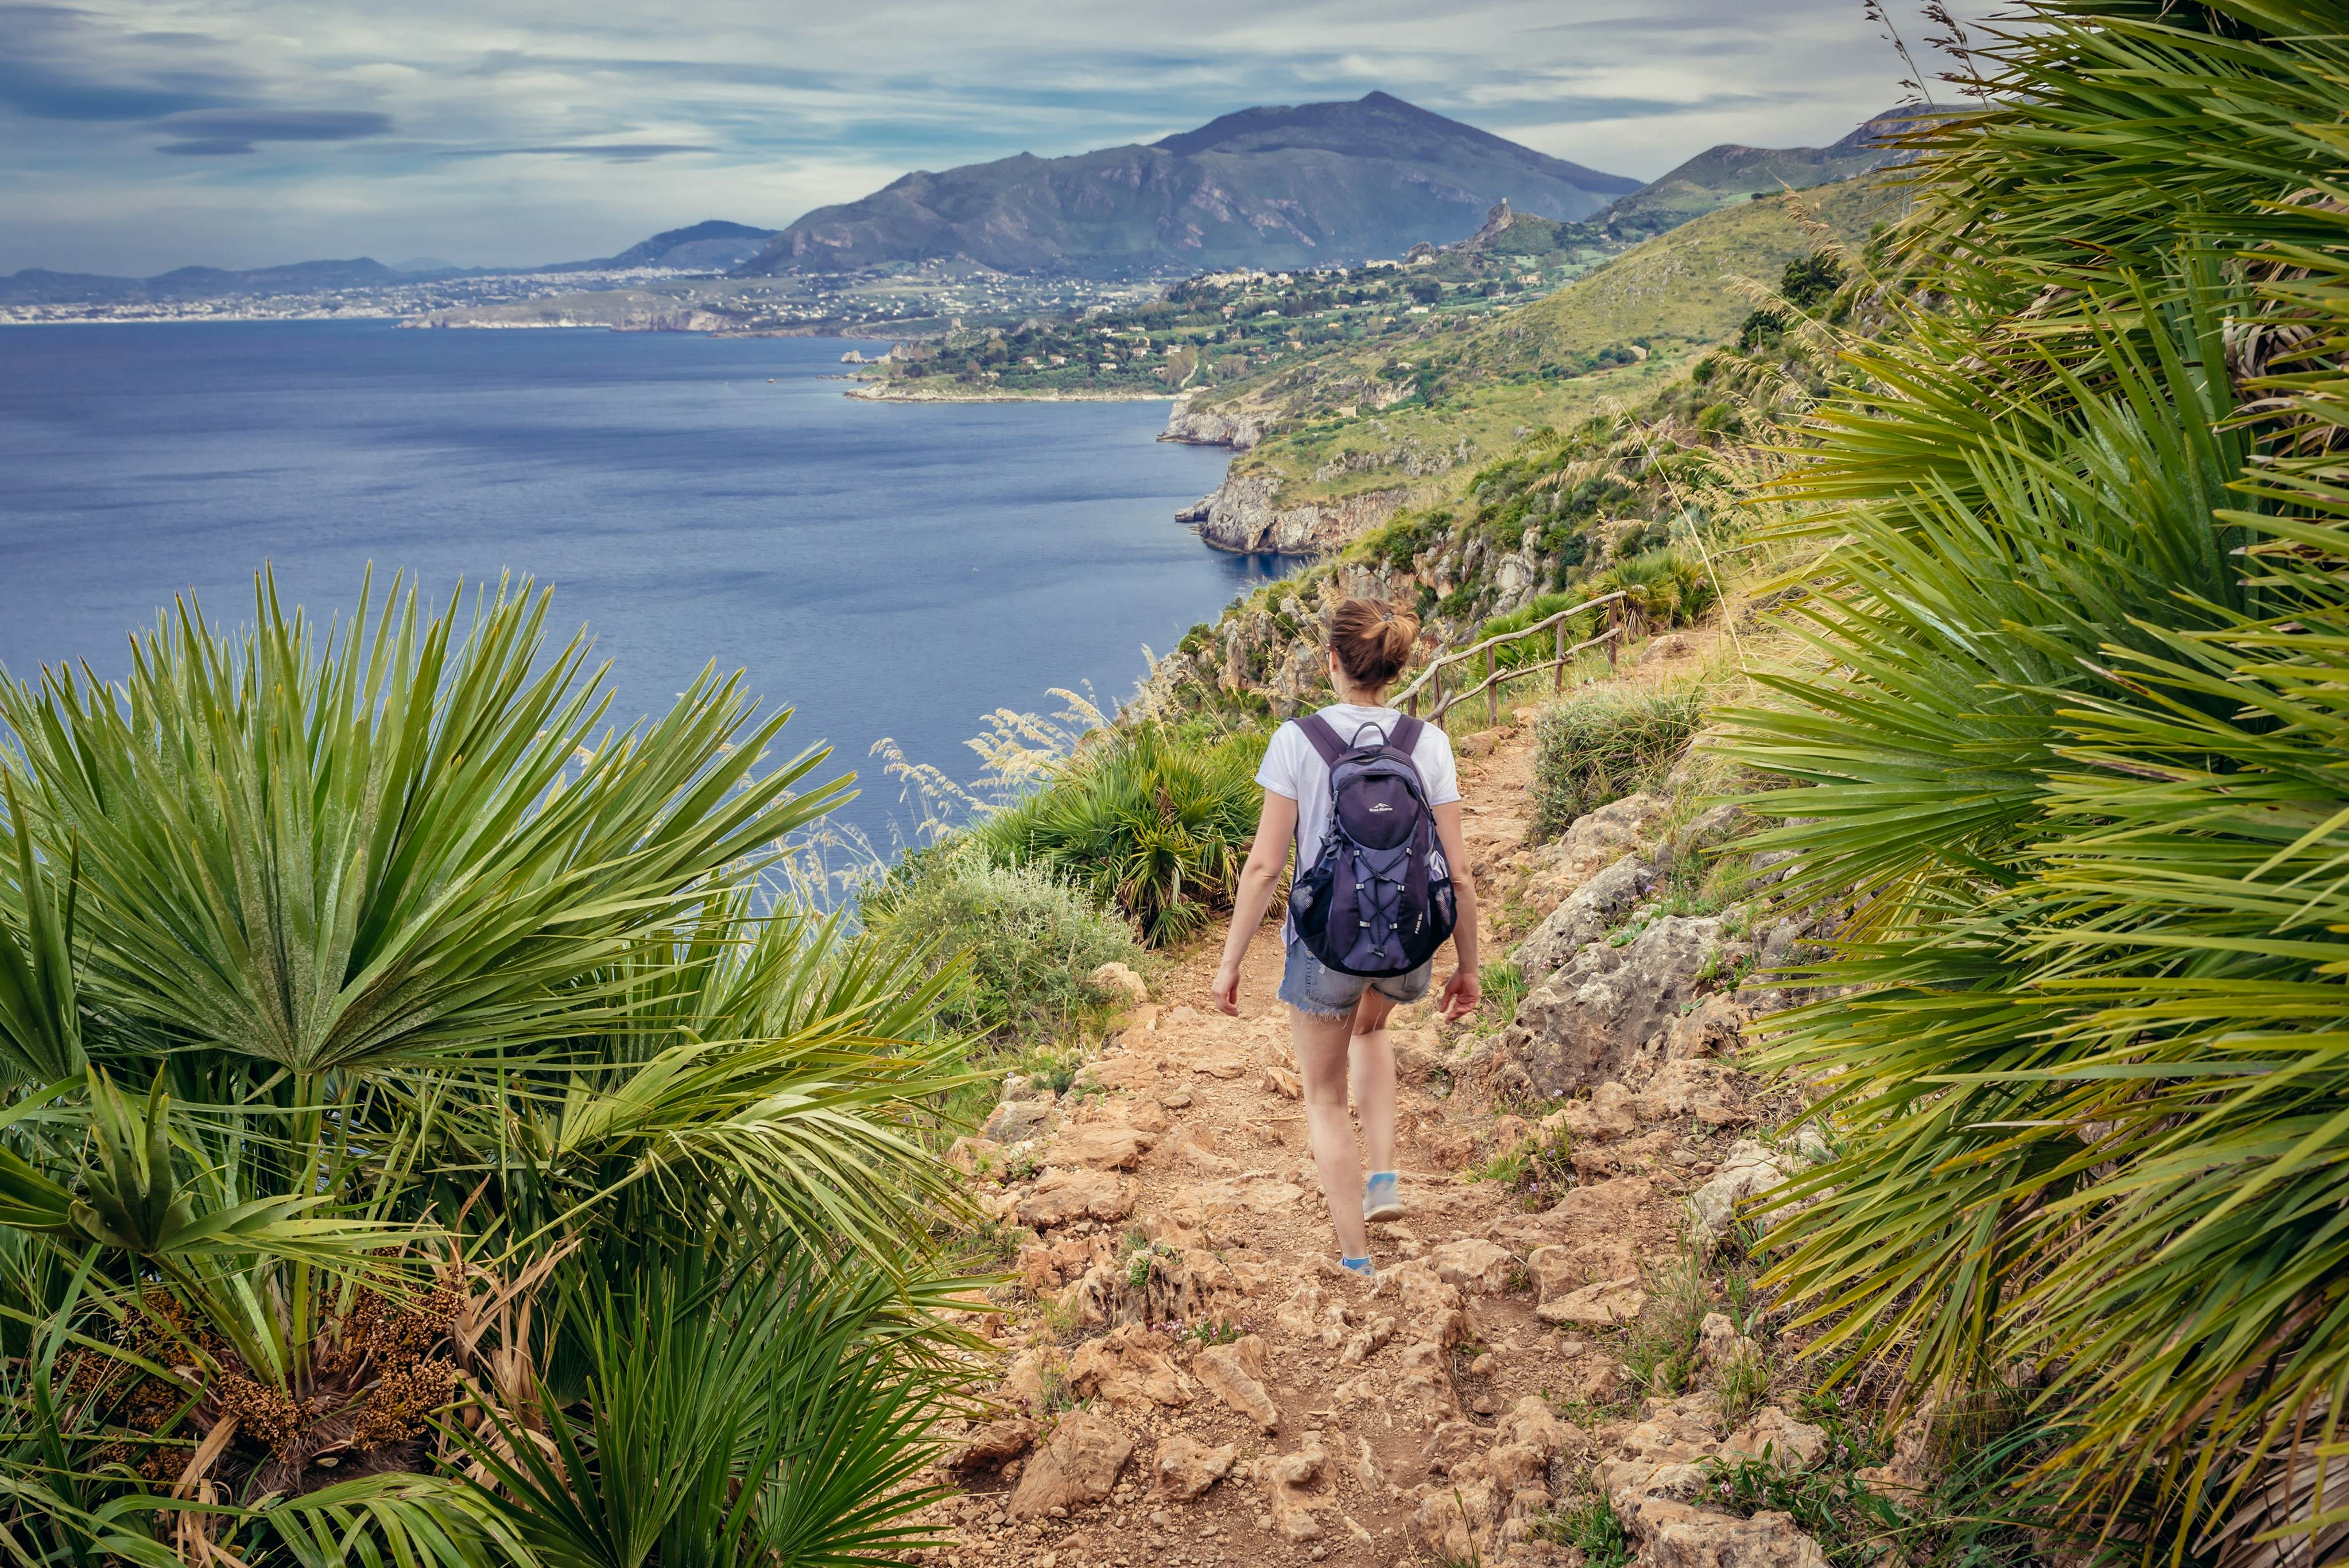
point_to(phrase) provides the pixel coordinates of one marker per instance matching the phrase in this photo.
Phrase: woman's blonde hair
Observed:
(1373, 639)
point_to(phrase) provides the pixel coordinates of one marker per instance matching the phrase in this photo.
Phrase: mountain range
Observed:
(1315, 184)
(1307, 185)
(1731, 172)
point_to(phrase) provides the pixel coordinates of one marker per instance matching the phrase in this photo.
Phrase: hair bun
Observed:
(1373, 639)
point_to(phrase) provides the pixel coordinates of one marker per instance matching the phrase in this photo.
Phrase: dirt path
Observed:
(1204, 1386)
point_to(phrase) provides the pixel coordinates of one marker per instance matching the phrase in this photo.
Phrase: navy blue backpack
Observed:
(1378, 900)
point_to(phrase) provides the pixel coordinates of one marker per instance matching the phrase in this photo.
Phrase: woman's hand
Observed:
(1227, 987)
(1461, 995)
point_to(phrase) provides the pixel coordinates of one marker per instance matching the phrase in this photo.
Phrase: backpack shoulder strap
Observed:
(1325, 740)
(1405, 738)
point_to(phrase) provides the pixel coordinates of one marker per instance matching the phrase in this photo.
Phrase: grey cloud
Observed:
(43, 75)
(277, 124)
(613, 151)
(207, 146)
(226, 132)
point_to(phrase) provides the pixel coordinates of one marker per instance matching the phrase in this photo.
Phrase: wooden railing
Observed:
(1408, 699)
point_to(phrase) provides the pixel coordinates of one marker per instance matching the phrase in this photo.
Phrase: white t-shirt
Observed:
(1292, 767)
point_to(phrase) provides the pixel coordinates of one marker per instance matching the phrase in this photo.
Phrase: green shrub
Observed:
(1602, 745)
(1029, 937)
(1589, 1523)
(1661, 588)
(1535, 650)
(1157, 822)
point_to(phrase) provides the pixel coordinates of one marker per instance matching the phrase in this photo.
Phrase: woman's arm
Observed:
(1274, 829)
(1463, 990)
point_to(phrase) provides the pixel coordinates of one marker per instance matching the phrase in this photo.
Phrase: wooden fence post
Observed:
(1492, 687)
(1557, 671)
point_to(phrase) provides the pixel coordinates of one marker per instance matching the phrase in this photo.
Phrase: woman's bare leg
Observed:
(1372, 1054)
(1322, 1052)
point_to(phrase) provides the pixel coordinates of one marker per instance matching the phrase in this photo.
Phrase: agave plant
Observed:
(2068, 758)
(355, 987)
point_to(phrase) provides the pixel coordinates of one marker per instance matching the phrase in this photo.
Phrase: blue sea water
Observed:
(890, 570)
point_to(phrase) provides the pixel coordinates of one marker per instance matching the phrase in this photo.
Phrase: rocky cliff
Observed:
(1200, 426)
(1244, 517)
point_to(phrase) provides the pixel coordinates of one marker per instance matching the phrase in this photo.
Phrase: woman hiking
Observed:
(1381, 763)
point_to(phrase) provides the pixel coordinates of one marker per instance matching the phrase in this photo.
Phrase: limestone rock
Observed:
(987, 1446)
(1708, 1091)
(1032, 1375)
(1750, 1170)
(1585, 917)
(1289, 1481)
(1588, 1020)
(1592, 842)
(1598, 1306)
(1060, 1196)
(1100, 1145)
(1126, 1368)
(1674, 1535)
(1077, 1465)
(1119, 980)
(1186, 1467)
(1017, 1118)
(1790, 1444)
(1717, 1339)
(1473, 1265)
(975, 1156)
(1367, 1340)
(1234, 1373)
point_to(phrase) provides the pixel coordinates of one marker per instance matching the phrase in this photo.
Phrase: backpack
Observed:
(1378, 900)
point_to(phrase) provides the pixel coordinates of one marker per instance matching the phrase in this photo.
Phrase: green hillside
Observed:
(1365, 417)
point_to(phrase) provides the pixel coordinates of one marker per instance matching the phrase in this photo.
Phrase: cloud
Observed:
(613, 151)
(206, 132)
(44, 77)
(207, 146)
(500, 131)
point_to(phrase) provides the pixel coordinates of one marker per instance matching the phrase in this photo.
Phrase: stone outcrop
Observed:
(1486, 1506)
(1063, 1196)
(1186, 1467)
(1586, 916)
(1242, 516)
(991, 1445)
(1234, 1374)
(1293, 1483)
(1749, 1171)
(1199, 427)
(1606, 1010)
(1656, 1479)
(1077, 1465)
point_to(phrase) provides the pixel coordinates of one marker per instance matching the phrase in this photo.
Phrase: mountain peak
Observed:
(1278, 185)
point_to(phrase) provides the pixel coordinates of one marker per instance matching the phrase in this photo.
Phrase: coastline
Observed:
(882, 392)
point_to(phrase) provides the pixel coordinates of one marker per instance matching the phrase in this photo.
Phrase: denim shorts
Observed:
(1311, 986)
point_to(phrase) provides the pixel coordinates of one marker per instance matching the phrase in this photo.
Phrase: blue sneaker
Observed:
(1380, 1197)
(1363, 1266)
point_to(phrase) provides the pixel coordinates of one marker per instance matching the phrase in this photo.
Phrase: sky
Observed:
(141, 135)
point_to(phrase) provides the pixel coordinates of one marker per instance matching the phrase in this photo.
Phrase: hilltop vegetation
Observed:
(1362, 418)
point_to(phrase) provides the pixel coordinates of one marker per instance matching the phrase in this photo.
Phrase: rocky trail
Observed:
(1191, 1380)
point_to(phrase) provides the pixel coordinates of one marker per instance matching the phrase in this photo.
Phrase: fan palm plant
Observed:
(354, 985)
(2069, 762)
(1157, 825)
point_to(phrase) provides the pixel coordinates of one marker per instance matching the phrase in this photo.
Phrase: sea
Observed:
(889, 571)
